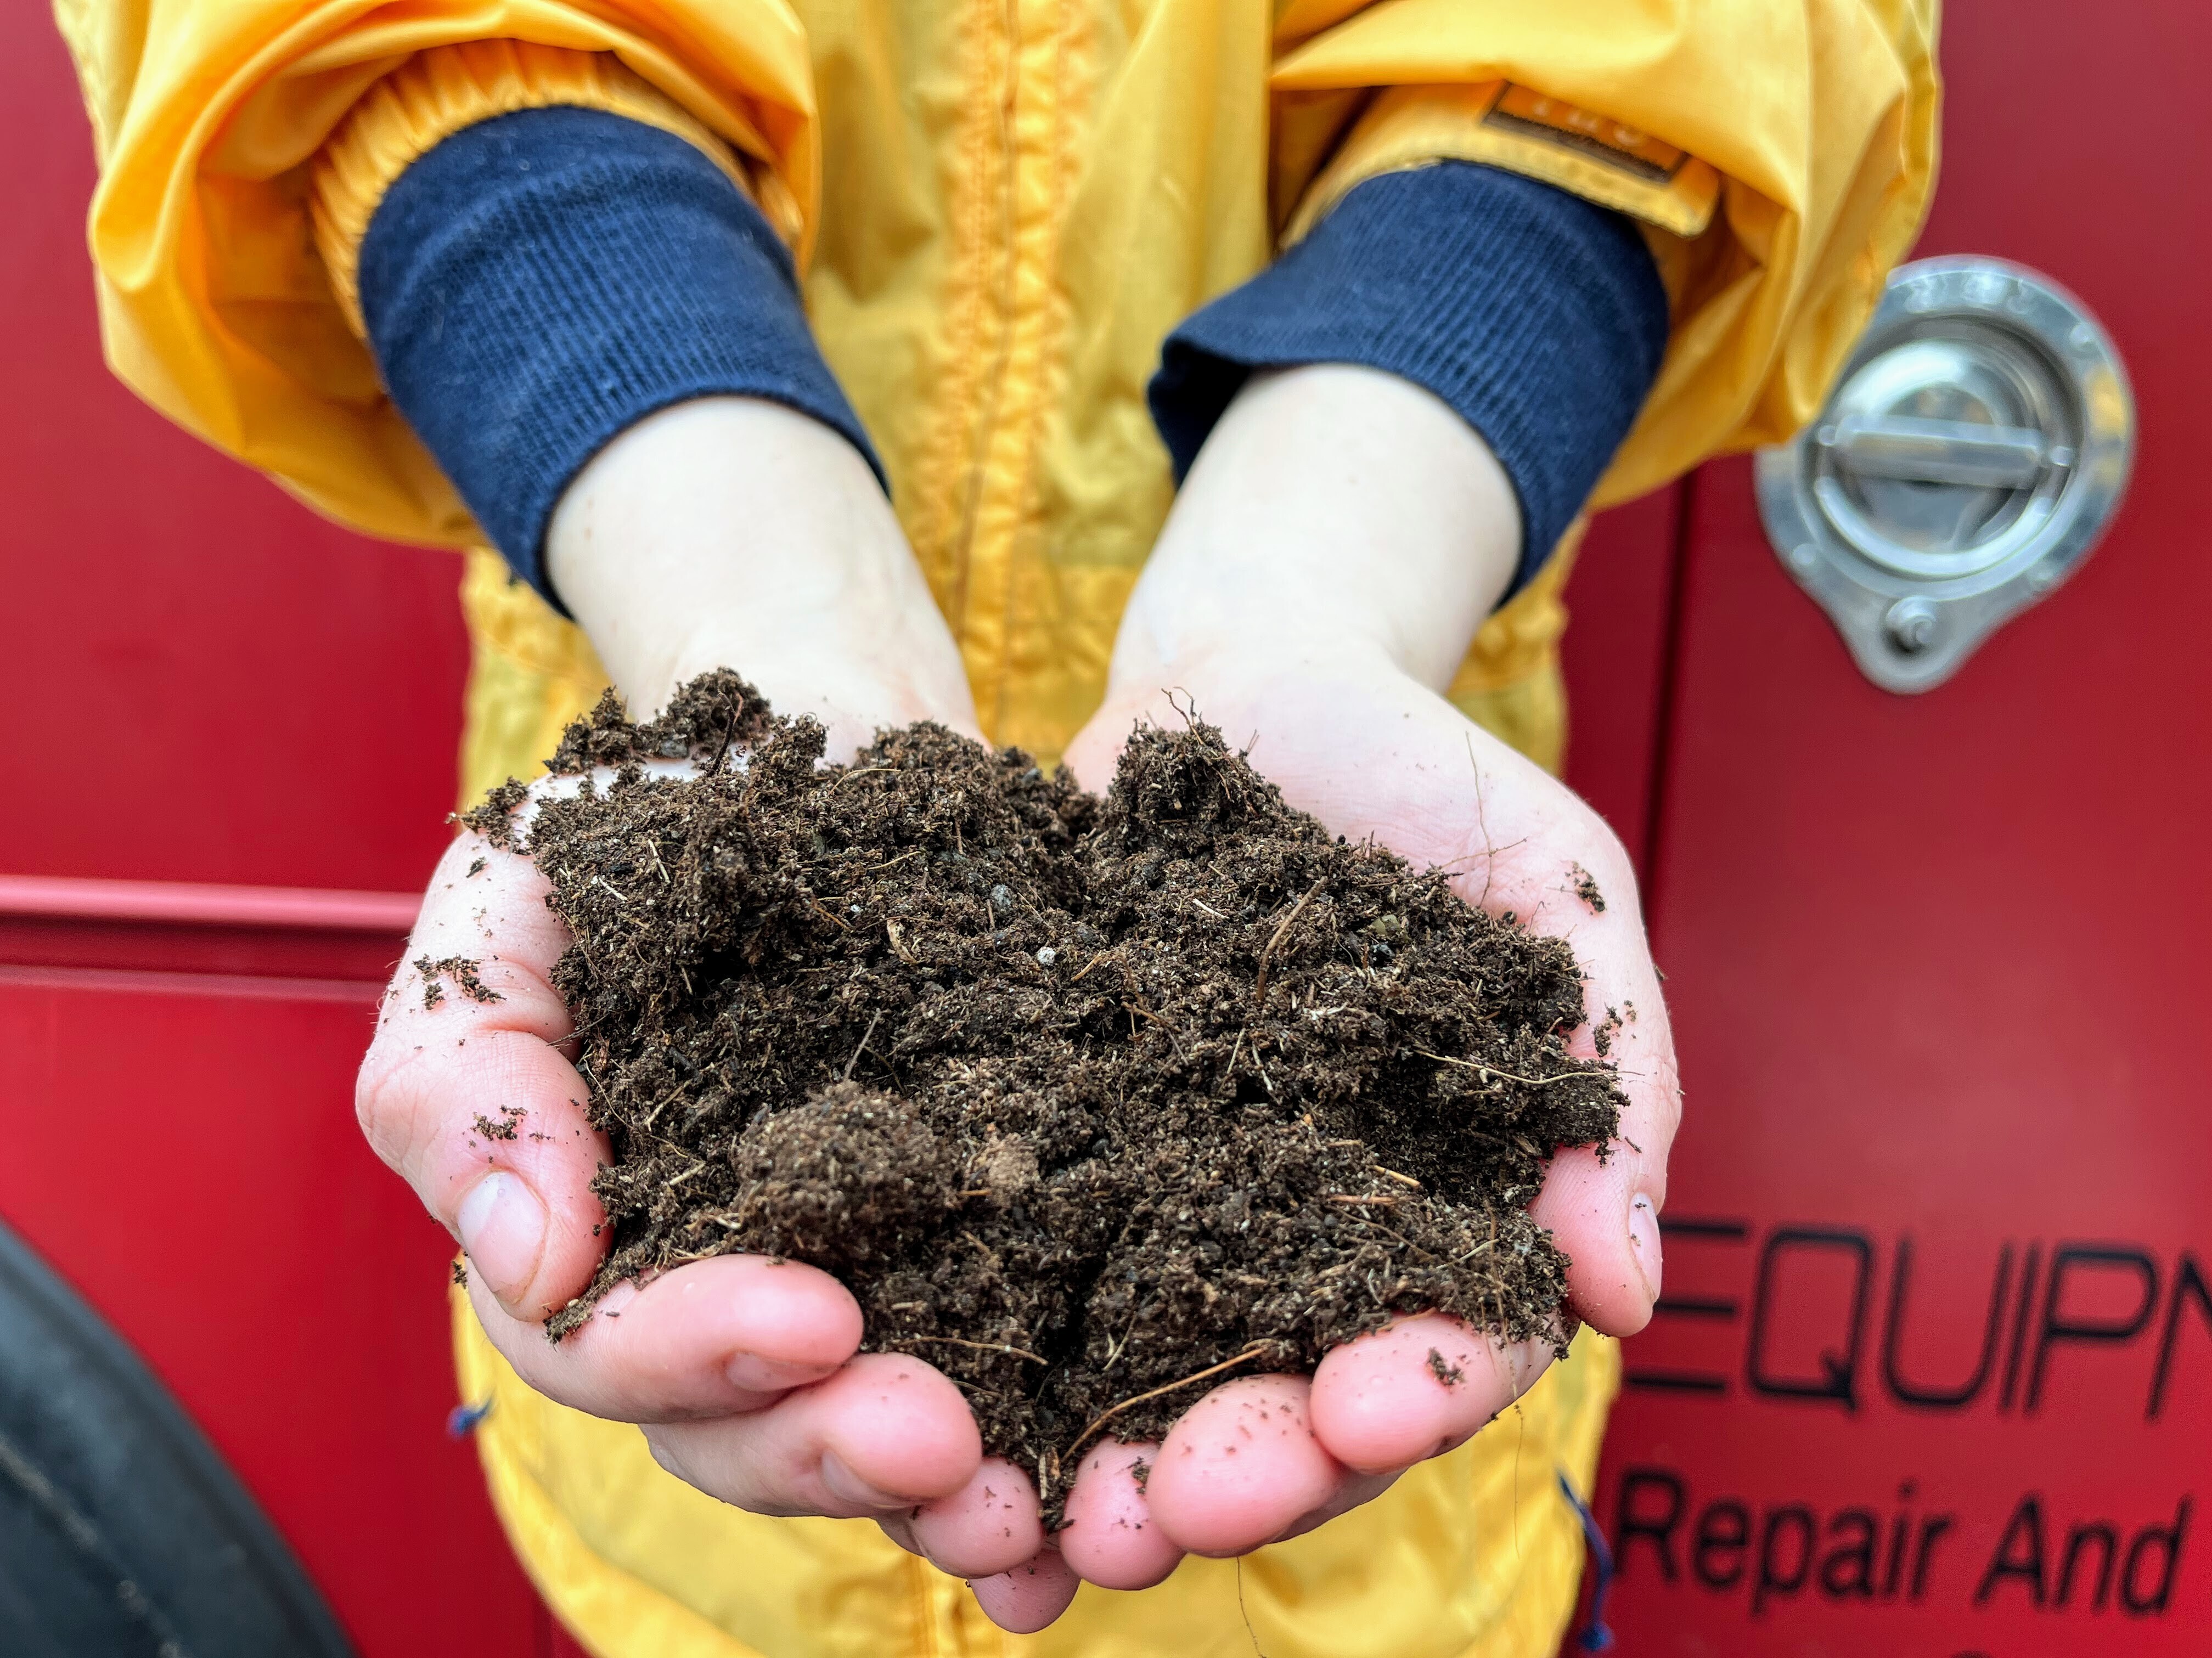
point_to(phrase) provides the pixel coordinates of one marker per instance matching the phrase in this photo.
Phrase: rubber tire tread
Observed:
(123, 1533)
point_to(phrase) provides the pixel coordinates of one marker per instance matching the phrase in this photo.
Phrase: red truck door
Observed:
(1932, 1374)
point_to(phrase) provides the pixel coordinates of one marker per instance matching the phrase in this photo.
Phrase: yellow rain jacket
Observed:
(1000, 207)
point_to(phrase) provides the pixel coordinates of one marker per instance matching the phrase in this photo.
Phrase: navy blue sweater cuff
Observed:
(1536, 315)
(538, 283)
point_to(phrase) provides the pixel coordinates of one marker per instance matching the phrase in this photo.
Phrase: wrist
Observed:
(733, 532)
(1336, 515)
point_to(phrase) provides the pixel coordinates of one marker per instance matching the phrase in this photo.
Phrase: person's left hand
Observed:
(1335, 547)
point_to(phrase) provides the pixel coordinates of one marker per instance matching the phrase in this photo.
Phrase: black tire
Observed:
(121, 1531)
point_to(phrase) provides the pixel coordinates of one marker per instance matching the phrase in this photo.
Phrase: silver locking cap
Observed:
(1974, 449)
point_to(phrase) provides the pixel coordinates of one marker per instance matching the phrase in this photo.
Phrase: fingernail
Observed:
(756, 1375)
(1644, 1242)
(849, 1487)
(502, 1226)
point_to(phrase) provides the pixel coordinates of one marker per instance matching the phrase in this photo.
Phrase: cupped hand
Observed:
(1370, 752)
(745, 1372)
(1333, 552)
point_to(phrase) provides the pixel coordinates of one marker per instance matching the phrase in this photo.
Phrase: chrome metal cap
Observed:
(1974, 449)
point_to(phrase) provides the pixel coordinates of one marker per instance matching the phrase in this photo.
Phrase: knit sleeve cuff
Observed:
(1537, 315)
(438, 93)
(539, 282)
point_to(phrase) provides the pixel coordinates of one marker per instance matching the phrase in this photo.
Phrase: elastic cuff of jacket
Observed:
(1537, 316)
(440, 92)
(539, 282)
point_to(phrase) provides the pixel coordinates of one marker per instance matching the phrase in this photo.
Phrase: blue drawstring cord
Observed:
(462, 1420)
(1595, 1636)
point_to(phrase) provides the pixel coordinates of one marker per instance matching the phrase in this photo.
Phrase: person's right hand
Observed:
(723, 532)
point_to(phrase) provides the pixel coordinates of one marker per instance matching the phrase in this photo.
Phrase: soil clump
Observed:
(1090, 1102)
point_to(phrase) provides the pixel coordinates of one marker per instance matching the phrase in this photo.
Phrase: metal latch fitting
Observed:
(1975, 447)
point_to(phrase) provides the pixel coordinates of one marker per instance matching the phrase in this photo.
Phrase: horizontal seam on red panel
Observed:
(151, 982)
(185, 903)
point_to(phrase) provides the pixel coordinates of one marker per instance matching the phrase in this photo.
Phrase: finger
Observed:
(1605, 1215)
(712, 1337)
(1110, 1538)
(885, 1433)
(1241, 1467)
(989, 1526)
(464, 1093)
(1602, 1204)
(1027, 1598)
(1415, 1390)
(1556, 866)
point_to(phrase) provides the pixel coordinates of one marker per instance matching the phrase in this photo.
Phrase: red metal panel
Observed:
(58, 920)
(1939, 1269)
(249, 694)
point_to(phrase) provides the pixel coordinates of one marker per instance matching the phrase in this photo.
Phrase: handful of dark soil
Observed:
(1090, 1102)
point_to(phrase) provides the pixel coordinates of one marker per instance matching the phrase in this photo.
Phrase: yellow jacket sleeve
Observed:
(216, 303)
(1780, 155)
